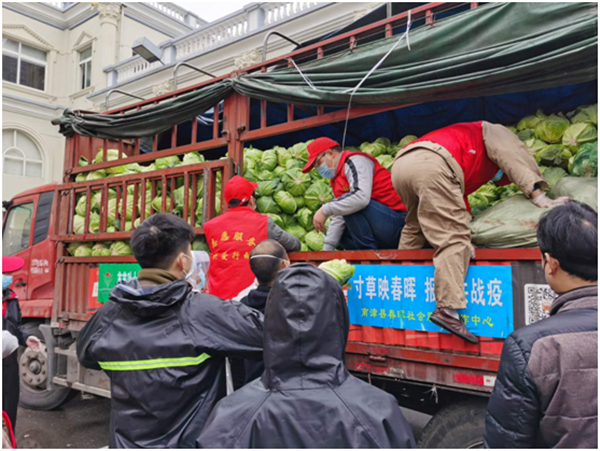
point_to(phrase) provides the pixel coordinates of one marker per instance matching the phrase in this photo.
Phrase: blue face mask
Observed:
(202, 282)
(326, 171)
(6, 281)
(498, 176)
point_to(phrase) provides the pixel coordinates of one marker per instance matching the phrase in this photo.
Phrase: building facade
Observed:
(71, 55)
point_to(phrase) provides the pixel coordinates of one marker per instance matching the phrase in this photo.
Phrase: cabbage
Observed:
(179, 199)
(508, 191)
(585, 162)
(299, 152)
(294, 164)
(477, 202)
(82, 177)
(81, 205)
(386, 161)
(78, 225)
(554, 175)
(488, 191)
(249, 164)
(167, 162)
(83, 162)
(133, 168)
(269, 160)
(531, 121)
(250, 175)
(317, 194)
(151, 167)
(384, 142)
(295, 182)
(288, 220)
(526, 134)
(111, 155)
(85, 250)
(304, 247)
(406, 141)
(253, 154)
(72, 247)
(340, 270)
(265, 175)
(120, 248)
(304, 216)
(374, 149)
(96, 175)
(278, 171)
(100, 250)
(512, 128)
(199, 244)
(297, 230)
(193, 158)
(157, 203)
(554, 155)
(299, 201)
(266, 188)
(585, 114)
(276, 219)
(266, 204)
(315, 241)
(94, 223)
(535, 144)
(283, 156)
(552, 128)
(285, 201)
(578, 134)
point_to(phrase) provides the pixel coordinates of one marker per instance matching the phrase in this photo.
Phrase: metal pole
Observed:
(120, 92)
(266, 40)
(388, 9)
(183, 63)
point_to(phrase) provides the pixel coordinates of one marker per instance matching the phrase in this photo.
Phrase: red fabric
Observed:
(383, 191)
(4, 309)
(230, 238)
(6, 420)
(239, 188)
(316, 148)
(465, 143)
(11, 264)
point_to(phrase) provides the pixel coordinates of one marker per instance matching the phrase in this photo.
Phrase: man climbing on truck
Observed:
(433, 175)
(366, 212)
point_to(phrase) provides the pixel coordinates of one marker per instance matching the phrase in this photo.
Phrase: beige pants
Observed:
(430, 182)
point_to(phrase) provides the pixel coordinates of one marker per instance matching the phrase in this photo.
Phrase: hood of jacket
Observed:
(257, 298)
(306, 330)
(584, 297)
(149, 301)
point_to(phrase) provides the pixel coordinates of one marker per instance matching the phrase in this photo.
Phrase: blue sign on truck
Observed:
(403, 297)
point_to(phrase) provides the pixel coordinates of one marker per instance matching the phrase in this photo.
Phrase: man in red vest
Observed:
(366, 212)
(434, 174)
(232, 236)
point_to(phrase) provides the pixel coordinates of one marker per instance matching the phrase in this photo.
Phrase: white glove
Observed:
(472, 252)
(543, 201)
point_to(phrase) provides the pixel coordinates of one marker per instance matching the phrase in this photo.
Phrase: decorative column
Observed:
(110, 15)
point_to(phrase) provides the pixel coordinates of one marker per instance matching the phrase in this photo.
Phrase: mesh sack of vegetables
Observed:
(510, 223)
(582, 189)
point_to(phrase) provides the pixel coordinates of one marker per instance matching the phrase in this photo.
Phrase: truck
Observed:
(430, 371)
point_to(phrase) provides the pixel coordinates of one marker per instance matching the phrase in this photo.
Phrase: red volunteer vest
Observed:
(383, 191)
(465, 142)
(230, 238)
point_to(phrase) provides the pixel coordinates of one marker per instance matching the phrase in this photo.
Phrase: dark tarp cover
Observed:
(493, 49)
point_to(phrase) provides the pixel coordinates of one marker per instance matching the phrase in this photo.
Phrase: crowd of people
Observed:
(167, 345)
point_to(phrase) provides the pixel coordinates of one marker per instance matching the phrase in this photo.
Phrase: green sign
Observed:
(110, 274)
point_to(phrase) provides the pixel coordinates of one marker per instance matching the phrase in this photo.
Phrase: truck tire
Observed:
(457, 425)
(32, 375)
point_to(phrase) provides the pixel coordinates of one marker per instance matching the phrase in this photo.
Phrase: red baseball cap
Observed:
(316, 148)
(11, 264)
(239, 188)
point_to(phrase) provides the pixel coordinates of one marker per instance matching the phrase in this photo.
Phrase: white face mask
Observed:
(188, 275)
(197, 275)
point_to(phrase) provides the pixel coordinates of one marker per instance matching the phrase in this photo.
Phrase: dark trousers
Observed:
(375, 227)
(10, 387)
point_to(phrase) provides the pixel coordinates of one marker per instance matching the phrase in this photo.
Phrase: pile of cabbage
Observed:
(562, 145)
(119, 248)
(290, 197)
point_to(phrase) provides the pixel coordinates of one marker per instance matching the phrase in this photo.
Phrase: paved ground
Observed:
(84, 424)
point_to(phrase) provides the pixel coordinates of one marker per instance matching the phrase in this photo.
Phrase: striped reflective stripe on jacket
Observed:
(133, 365)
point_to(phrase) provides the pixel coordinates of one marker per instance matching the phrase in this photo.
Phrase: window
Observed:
(17, 229)
(85, 68)
(23, 64)
(21, 155)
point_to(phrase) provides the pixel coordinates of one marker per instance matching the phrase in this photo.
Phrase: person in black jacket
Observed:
(266, 260)
(163, 345)
(306, 398)
(11, 322)
(546, 393)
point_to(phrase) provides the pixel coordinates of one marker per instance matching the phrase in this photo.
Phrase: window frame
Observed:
(19, 55)
(6, 224)
(82, 67)
(23, 159)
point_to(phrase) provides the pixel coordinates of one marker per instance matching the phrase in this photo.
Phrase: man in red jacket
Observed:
(434, 174)
(232, 236)
(366, 212)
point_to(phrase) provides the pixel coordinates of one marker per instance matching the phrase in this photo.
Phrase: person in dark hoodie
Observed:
(306, 398)
(163, 345)
(266, 260)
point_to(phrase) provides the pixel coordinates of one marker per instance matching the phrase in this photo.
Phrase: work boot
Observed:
(453, 325)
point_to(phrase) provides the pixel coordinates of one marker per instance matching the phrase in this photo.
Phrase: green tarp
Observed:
(493, 49)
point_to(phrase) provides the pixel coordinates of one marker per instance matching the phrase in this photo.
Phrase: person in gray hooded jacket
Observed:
(306, 398)
(546, 393)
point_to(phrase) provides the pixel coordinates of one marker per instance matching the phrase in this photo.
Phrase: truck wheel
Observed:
(33, 376)
(458, 425)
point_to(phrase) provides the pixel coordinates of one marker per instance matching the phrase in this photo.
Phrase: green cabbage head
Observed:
(340, 270)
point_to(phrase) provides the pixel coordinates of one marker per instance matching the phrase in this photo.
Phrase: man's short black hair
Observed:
(159, 239)
(569, 233)
(266, 268)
